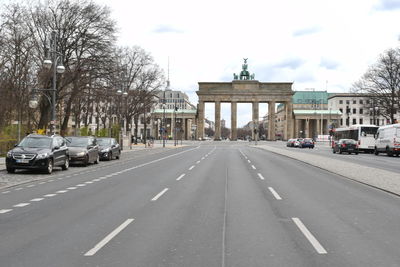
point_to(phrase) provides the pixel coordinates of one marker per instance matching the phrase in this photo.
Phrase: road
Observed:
(213, 204)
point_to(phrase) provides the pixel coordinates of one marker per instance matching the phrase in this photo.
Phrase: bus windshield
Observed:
(368, 131)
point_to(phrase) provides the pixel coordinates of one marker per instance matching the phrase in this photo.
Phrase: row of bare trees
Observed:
(381, 83)
(95, 67)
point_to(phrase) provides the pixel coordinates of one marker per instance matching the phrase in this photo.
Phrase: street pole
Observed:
(164, 126)
(53, 92)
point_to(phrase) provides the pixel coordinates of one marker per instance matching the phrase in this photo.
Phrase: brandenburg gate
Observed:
(245, 89)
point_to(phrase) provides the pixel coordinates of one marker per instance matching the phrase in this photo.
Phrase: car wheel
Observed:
(356, 153)
(340, 151)
(86, 162)
(109, 156)
(388, 152)
(119, 155)
(376, 152)
(49, 168)
(10, 170)
(66, 164)
(97, 159)
(333, 151)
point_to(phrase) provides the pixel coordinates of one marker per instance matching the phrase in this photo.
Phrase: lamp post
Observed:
(52, 60)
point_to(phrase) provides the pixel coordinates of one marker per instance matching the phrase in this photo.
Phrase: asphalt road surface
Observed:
(213, 204)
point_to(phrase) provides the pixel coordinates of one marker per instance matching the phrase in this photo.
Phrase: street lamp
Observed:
(55, 62)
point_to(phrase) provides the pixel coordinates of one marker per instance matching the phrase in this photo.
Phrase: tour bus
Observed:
(363, 134)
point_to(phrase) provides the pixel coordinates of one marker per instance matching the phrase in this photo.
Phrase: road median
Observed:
(382, 179)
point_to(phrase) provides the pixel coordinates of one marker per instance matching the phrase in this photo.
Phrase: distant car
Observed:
(307, 142)
(38, 152)
(290, 142)
(83, 149)
(297, 142)
(108, 148)
(345, 145)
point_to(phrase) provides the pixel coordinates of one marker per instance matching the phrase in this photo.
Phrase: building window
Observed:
(354, 111)
(340, 101)
(347, 102)
(367, 102)
(361, 111)
(341, 121)
(354, 101)
(341, 110)
(361, 121)
(354, 121)
(361, 101)
(370, 121)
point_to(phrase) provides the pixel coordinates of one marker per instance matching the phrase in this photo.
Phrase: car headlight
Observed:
(105, 150)
(42, 156)
(80, 154)
(9, 154)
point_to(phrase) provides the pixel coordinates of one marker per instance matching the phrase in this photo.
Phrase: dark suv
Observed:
(38, 152)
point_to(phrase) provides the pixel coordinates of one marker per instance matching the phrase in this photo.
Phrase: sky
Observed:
(319, 44)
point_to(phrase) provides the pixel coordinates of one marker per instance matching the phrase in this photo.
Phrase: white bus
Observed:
(363, 134)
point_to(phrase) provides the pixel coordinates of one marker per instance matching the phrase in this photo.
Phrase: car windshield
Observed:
(349, 141)
(104, 142)
(39, 142)
(77, 142)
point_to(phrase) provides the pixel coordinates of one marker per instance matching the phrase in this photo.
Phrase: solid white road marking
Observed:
(253, 167)
(37, 199)
(19, 188)
(42, 182)
(32, 185)
(276, 195)
(318, 247)
(202, 158)
(180, 177)
(248, 161)
(191, 168)
(159, 194)
(5, 211)
(20, 205)
(89, 182)
(80, 185)
(50, 181)
(5, 192)
(61, 191)
(50, 195)
(96, 180)
(261, 177)
(72, 188)
(107, 239)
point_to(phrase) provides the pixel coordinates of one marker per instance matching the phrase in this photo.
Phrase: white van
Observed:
(388, 140)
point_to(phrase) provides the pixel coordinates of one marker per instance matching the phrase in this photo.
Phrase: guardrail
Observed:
(6, 145)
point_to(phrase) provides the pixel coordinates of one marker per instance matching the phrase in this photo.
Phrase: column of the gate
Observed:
(255, 120)
(234, 121)
(271, 120)
(217, 135)
(200, 121)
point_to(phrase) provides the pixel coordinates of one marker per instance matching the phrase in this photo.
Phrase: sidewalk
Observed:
(385, 180)
(2, 164)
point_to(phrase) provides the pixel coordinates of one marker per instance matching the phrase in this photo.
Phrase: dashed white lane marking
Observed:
(72, 188)
(32, 185)
(180, 177)
(67, 176)
(5, 211)
(37, 199)
(276, 195)
(253, 167)
(191, 168)
(50, 195)
(80, 185)
(261, 177)
(49, 181)
(20, 205)
(202, 158)
(107, 239)
(19, 188)
(89, 182)
(96, 180)
(60, 178)
(197, 162)
(42, 182)
(314, 242)
(62, 191)
(5, 192)
(248, 161)
(159, 194)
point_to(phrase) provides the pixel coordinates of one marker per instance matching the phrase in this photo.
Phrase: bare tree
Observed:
(382, 83)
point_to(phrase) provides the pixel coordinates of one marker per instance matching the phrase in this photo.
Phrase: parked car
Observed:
(307, 142)
(388, 140)
(38, 152)
(108, 148)
(345, 145)
(83, 149)
(290, 142)
(297, 142)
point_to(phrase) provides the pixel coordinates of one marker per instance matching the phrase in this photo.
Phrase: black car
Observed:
(38, 152)
(83, 149)
(345, 145)
(108, 148)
